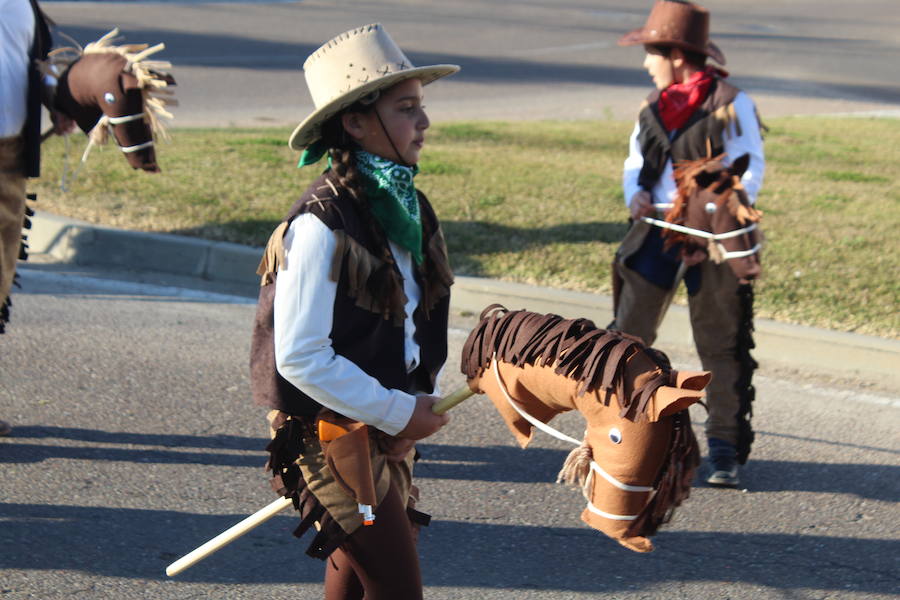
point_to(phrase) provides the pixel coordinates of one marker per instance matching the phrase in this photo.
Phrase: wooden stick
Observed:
(445, 404)
(228, 536)
(266, 513)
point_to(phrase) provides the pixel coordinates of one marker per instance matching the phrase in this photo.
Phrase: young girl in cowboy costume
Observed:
(351, 329)
(693, 113)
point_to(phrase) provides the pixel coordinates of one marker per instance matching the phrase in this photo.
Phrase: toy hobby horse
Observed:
(638, 457)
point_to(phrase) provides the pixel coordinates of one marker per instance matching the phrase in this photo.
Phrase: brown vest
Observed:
(708, 125)
(32, 131)
(368, 311)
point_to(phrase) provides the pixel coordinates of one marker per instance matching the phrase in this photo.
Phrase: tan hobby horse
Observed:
(638, 457)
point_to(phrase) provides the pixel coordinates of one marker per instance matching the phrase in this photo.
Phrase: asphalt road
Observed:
(239, 64)
(136, 441)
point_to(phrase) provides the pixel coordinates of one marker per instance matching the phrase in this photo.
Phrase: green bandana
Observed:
(313, 154)
(392, 195)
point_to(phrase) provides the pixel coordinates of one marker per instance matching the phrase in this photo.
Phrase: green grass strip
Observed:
(541, 203)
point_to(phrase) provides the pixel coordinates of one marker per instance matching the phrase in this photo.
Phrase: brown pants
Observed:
(377, 562)
(715, 313)
(12, 210)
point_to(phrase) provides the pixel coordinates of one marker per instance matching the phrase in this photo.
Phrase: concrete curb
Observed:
(821, 351)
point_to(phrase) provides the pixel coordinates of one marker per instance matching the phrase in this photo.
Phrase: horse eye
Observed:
(109, 97)
(615, 436)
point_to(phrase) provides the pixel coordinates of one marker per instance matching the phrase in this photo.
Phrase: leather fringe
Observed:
(6, 303)
(273, 255)
(287, 481)
(437, 274)
(5, 306)
(374, 284)
(744, 386)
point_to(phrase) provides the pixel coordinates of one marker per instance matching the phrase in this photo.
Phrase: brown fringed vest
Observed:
(707, 125)
(369, 306)
(32, 130)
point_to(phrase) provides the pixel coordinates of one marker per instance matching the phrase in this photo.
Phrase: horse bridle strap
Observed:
(607, 515)
(595, 467)
(130, 149)
(715, 237)
(125, 119)
(107, 121)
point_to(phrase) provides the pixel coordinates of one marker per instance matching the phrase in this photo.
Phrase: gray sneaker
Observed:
(722, 467)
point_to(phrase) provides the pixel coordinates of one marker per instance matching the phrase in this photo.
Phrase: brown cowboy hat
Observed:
(679, 24)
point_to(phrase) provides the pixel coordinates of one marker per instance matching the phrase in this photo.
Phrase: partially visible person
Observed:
(683, 120)
(24, 38)
(351, 329)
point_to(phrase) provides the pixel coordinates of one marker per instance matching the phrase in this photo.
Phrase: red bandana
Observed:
(679, 101)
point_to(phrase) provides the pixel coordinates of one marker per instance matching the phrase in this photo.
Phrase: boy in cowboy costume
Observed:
(24, 39)
(677, 122)
(351, 328)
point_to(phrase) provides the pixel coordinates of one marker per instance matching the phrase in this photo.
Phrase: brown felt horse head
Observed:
(113, 89)
(637, 460)
(711, 199)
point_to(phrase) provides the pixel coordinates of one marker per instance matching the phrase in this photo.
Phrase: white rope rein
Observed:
(130, 149)
(125, 119)
(699, 232)
(595, 467)
(714, 237)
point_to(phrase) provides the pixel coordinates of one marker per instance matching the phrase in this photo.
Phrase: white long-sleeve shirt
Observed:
(303, 306)
(16, 37)
(750, 141)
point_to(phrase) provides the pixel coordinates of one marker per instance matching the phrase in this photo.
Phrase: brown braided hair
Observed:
(343, 166)
(385, 283)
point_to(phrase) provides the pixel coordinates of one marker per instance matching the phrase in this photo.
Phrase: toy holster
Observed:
(345, 444)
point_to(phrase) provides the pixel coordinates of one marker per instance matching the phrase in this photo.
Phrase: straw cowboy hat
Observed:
(350, 67)
(680, 24)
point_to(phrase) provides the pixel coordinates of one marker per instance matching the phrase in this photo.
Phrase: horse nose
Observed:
(753, 271)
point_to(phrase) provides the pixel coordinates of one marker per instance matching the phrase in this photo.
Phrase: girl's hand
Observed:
(641, 205)
(396, 449)
(423, 421)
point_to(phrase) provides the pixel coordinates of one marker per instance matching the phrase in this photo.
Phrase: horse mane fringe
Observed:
(686, 186)
(152, 76)
(674, 484)
(593, 357)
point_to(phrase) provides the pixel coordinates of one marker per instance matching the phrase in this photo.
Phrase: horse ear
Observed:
(740, 164)
(706, 178)
(692, 380)
(668, 400)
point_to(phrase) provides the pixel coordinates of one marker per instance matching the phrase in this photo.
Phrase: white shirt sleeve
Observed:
(749, 142)
(633, 165)
(304, 301)
(16, 37)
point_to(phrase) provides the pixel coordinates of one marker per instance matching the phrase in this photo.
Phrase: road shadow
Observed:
(535, 465)
(20, 450)
(134, 544)
(260, 54)
(494, 463)
(494, 237)
(468, 239)
(873, 482)
(228, 442)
